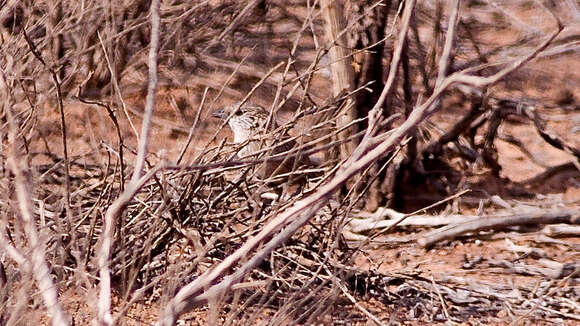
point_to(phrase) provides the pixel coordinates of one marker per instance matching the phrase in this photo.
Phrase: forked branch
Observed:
(290, 220)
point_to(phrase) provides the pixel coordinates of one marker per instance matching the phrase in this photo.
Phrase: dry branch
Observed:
(38, 265)
(552, 269)
(507, 107)
(235, 23)
(487, 223)
(341, 68)
(291, 219)
(358, 225)
(551, 172)
(179, 222)
(116, 209)
(63, 126)
(562, 230)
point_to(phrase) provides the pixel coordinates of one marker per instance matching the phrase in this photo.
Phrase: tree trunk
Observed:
(368, 33)
(341, 70)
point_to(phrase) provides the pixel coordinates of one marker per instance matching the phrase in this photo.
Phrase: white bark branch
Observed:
(116, 209)
(300, 213)
(39, 267)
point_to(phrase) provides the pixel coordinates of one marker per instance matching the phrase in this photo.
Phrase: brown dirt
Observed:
(89, 125)
(90, 128)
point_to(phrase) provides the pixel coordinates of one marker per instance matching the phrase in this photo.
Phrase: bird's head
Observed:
(246, 121)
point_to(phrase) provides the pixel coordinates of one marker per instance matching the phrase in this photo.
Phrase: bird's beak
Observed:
(220, 114)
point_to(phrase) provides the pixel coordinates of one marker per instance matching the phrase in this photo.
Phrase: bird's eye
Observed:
(239, 112)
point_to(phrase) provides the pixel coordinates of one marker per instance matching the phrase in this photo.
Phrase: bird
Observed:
(255, 131)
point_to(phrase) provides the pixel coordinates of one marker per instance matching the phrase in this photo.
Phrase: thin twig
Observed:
(115, 210)
(192, 129)
(66, 161)
(113, 118)
(116, 86)
(204, 287)
(443, 305)
(151, 92)
(39, 268)
(358, 305)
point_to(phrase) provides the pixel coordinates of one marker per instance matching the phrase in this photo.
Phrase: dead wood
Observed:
(341, 69)
(551, 172)
(495, 111)
(561, 230)
(376, 220)
(463, 126)
(510, 107)
(247, 255)
(36, 261)
(497, 223)
(551, 269)
(294, 217)
(137, 180)
(363, 225)
(368, 37)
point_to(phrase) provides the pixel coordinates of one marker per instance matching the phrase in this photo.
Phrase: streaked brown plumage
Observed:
(251, 126)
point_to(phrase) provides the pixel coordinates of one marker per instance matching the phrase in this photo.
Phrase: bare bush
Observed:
(123, 203)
